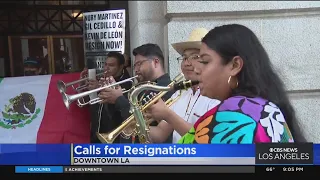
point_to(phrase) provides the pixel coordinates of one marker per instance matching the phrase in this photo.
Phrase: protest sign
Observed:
(104, 31)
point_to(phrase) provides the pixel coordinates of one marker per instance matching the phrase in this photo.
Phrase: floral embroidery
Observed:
(188, 138)
(201, 135)
(273, 122)
(233, 127)
(207, 114)
(250, 106)
(287, 136)
(241, 119)
(261, 135)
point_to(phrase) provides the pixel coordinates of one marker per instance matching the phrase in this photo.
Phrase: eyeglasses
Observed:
(138, 64)
(191, 58)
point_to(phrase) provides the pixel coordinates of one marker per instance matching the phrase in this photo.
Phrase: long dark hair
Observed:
(257, 77)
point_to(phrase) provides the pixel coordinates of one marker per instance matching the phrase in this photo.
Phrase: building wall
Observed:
(147, 24)
(288, 30)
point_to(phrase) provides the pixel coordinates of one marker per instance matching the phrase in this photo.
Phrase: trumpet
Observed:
(140, 127)
(68, 99)
(62, 86)
(131, 130)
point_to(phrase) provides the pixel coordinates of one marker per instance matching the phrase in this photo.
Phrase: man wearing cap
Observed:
(32, 66)
(191, 105)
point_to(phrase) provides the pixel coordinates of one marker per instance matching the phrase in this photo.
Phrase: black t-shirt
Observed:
(110, 116)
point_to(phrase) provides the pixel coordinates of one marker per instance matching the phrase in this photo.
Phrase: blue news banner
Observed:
(59, 158)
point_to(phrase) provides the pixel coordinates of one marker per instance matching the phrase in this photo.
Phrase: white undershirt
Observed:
(191, 107)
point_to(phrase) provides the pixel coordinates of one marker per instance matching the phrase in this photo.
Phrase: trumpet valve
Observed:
(144, 101)
(152, 95)
(135, 133)
(124, 136)
(148, 98)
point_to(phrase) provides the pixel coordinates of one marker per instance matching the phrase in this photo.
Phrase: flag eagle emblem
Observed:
(20, 111)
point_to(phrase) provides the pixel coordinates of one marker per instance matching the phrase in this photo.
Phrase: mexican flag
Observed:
(32, 111)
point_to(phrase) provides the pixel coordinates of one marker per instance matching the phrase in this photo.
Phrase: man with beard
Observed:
(149, 66)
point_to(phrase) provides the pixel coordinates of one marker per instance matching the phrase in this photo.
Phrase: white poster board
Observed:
(103, 31)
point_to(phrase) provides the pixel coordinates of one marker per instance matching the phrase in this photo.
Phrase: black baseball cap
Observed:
(31, 61)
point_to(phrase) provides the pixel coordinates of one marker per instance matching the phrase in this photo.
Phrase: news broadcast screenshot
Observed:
(101, 87)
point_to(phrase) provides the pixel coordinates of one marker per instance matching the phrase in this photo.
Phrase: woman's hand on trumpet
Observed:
(110, 95)
(158, 111)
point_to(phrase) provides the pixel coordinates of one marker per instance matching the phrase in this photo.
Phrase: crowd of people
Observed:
(240, 99)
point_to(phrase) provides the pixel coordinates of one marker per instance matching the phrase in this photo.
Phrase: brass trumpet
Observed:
(68, 99)
(62, 86)
(140, 128)
(131, 129)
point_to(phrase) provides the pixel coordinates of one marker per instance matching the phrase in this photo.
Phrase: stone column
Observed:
(147, 23)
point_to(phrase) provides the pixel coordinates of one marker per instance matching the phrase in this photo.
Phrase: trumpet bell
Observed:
(61, 86)
(66, 100)
(104, 137)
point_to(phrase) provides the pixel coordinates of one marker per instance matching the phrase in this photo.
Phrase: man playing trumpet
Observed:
(191, 105)
(148, 66)
(104, 116)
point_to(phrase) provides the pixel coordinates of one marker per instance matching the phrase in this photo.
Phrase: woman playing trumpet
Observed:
(190, 105)
(235, 68)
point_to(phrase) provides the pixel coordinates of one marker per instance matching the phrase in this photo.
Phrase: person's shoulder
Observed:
(253, 107)
(164, 80)
(208, 101)
(260, 114)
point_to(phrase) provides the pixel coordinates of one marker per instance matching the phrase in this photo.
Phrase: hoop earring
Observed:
(232, 86)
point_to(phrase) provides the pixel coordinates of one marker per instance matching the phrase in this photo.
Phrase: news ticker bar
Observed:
(159, 169)
(142, 169)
